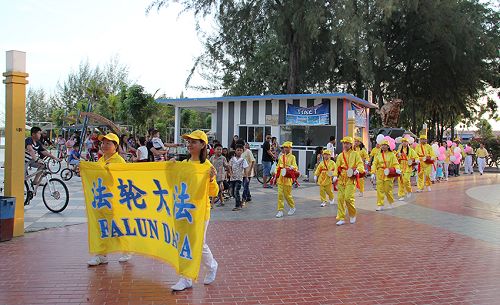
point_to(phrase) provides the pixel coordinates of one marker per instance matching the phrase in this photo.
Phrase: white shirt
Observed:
(142, 153)
(158, 143)
(331, 148)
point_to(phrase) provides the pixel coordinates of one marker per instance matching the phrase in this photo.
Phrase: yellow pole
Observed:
(15, 123)
(351, 123)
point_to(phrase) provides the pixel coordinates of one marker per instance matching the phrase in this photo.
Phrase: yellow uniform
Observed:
(374, 152)
(481, 153)
(405, 154)
(325, 181)
(284, 183)
(384, 184)
(424, 169)
(347, 186)
(115, 158)
(213, 187)
(365, 158)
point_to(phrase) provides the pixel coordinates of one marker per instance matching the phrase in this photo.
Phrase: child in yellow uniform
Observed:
(348, 160)
(323, 176)
(405, 154)
(359, 147)
(286, 162)
(385, 159)
(424, 152)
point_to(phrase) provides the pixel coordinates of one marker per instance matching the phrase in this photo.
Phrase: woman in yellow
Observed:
(424, 152)
(385, 159)
(109, 147)
(323, 176)
(197, 146)
(286, 161)
(359, 147)
(405, 154)
(347, 161)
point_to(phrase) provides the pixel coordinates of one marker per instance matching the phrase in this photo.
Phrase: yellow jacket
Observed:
(286, 161)
(362, 153)
(322, 172)
(425, 151)
(481, 153)
(374, 152)
(353, 161)
(213, 187)
(383, 161)
(449, 153)
(115, 158)
(404, 156)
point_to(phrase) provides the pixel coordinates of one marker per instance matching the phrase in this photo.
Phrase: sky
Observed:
(159, 48)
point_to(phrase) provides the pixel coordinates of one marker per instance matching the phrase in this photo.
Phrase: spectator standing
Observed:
(237, 167)
(249, 173)
(267, 161)
(331, 146)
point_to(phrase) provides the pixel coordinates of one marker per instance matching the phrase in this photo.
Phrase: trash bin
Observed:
(7, 208)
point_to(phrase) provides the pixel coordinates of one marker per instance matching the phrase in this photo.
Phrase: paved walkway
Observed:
(441, 247)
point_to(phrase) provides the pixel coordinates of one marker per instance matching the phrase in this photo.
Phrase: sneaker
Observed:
(360, 194)
(353, 220)
(332, 202)
(408, 196)
(279, 214)
(380, 208)
(390, 206)
(340, 222)
(419, 191)
(98, 260)
(428, 188)
(210, 276)
(323, 204)
(125, 258)
(402, 198)
(182, 284)
(291, 211)
(236, 208)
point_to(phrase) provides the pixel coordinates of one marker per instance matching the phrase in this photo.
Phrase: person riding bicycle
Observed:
(34, 152)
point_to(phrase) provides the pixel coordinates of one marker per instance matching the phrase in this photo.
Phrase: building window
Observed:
(254, 133)
(307, 135)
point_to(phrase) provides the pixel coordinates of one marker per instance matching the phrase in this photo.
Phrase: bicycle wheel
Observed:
(259, 174)
(66, 174)
(28, 194)
(55, 195)
(54, 166)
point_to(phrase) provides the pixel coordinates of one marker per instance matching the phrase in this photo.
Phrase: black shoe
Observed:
(236, 208)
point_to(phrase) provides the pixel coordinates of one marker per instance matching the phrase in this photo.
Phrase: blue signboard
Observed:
(316, 115)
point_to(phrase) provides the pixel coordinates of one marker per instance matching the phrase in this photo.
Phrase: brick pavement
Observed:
(435, 249)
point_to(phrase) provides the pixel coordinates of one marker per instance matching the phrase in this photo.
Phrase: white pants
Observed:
(445, 170)
(468, 165)
(481, 164)
(207, 259)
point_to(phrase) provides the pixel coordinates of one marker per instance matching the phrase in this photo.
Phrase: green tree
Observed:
(139, 108)
(37, 106)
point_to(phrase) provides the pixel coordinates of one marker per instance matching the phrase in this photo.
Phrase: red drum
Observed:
(391, 172)
(412, 162)
(290, 173)
(329, 173)
(350, 173)
(428, 161)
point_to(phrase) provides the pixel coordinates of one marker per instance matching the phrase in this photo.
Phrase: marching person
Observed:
(425, 155)
(110, 143)
(323, 176)
(286, 162)
(359, 147)
(481, 154)
(349, 166)
(383, 161)
(197, 143)
(406, 154)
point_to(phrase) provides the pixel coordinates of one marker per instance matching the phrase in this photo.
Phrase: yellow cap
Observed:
(358, 139)
(384, 142)
(423, 137)
(287, 144)
(457, 140)
(347, 140)
(404, 140)
(196, 135)
(326, 152)
(110, 136)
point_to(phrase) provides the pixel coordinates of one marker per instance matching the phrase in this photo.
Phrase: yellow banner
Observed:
(156, 209)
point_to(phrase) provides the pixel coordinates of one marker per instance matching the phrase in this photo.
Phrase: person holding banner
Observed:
(425, 162)
(360, 148)
(285, 170)
(197, 147)
(109, 147)
(349, 167)
(323, 176)
(385, 167)
(406, 157)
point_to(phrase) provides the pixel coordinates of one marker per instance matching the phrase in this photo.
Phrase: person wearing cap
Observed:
(384, 160)
(109, 148)
(347, 160)
(405, 155)
(197, 142)
(286, 162)
(424, 152)
(323, 176)
(361, 150)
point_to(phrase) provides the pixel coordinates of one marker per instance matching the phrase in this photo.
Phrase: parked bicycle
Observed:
(55, 194)
(54, 166)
